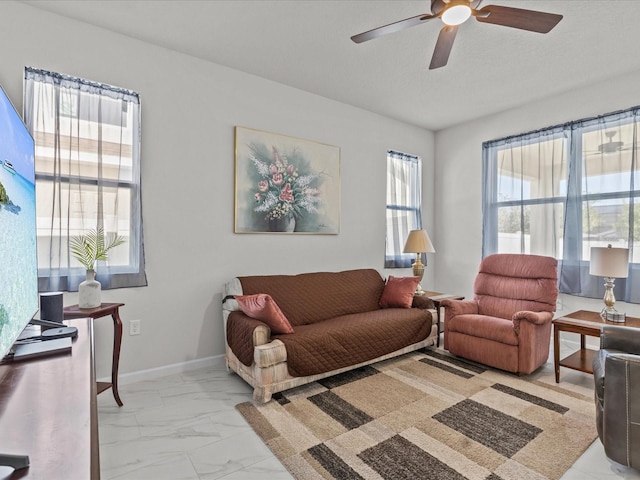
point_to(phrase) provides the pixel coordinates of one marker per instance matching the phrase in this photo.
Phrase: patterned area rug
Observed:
(426, 415)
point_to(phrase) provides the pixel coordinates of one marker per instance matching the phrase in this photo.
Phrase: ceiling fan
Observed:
(455, 12)
(610, 146)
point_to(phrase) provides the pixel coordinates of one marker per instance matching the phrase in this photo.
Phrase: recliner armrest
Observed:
(459, 307)
(625, 339)
(599, 361)
(535, 318)
(615, 363)
(621, 415)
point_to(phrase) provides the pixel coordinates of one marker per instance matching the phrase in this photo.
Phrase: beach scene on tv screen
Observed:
(18, 261)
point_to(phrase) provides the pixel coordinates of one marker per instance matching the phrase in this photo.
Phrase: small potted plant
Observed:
(89, 248)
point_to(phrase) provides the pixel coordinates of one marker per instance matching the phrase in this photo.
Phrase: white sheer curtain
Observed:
(565, 189)
(404, 206)
(87, 139)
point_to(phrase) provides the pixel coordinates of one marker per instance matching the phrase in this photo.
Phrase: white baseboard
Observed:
(153, 373)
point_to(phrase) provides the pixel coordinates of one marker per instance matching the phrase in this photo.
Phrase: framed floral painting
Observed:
(286, 184)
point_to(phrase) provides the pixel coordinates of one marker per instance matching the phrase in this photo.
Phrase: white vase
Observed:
(89, 291)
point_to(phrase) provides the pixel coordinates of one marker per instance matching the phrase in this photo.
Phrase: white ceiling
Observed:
(306, 44)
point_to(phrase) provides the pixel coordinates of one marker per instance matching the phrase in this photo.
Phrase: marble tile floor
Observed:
(185, 427)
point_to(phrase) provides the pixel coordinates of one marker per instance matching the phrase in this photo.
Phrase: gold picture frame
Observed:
(285, 184)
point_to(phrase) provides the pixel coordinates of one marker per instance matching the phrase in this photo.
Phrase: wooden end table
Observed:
(437, 297)
(582, 322)
(104, 310)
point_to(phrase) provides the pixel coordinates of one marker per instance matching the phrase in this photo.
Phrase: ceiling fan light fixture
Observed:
(456, 14)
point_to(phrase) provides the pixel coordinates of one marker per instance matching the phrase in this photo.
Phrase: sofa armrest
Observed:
(535, 318)
(244, 326)
(425, 303)
(625, 339)
(244, 334)
(458, 307)
(270, 354)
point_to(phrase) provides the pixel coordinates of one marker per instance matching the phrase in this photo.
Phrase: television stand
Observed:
(49, 411)
(40, 348)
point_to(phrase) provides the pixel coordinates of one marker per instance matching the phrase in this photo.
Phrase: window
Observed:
(404, 211)
(87, 163)
(526, 181)
(565, 189)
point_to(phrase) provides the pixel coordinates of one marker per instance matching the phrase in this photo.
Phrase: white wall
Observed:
(189, 110)
(458, 182)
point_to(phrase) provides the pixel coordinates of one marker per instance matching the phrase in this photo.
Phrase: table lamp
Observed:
(418, 242)
(609, 263)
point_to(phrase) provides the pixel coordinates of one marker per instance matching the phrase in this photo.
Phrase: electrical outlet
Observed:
(134, 327)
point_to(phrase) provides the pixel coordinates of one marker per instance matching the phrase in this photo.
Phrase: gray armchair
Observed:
(616, 372)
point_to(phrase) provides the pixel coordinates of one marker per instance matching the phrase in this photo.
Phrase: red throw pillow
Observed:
(262, 307)
(398, 292)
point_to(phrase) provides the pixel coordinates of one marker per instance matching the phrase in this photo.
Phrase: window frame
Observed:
(491, 205)
(577, 198)
(64, 272)
(396, 237)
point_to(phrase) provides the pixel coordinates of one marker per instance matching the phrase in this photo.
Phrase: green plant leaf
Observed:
(92, 246)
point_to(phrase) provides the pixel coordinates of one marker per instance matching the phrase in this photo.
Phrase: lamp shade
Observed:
(609, 262)
(418, 241)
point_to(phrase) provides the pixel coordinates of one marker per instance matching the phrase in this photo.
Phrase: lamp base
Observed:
(612, 315)
(609, 299)
(418, 271)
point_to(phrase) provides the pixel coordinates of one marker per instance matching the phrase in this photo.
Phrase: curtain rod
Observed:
(396, 152)
(562, 126)
(60, 77)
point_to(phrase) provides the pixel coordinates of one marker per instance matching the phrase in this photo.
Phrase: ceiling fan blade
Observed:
(531, 20)
(443, 46)
(392, 27)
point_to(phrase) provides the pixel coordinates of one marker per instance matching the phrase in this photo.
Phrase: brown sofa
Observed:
(338, 326)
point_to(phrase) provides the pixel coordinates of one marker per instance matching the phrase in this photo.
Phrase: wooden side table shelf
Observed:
(437, 297)
(104, 310)
(583, 323)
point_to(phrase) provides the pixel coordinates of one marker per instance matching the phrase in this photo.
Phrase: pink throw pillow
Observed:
(262, 307)
(398, 292)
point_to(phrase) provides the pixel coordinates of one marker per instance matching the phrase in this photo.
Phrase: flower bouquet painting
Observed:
(285, 184)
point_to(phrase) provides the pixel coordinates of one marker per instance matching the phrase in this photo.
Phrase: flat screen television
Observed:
(18, 250)
(18, 253)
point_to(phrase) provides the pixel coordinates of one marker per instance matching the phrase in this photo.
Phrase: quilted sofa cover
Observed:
(337, 323)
